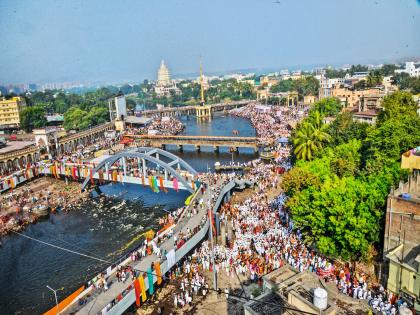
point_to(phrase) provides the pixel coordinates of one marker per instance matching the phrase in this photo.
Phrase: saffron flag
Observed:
(162, 187)
(142, 180)
(137, 289)
(158, 272)
(142, 288)
(150, 278)
(151, 182)
(92, 181)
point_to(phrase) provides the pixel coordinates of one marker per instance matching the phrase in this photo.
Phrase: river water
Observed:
(102, 227)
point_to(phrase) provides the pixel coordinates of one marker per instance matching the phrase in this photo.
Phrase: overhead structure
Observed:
(171, 164)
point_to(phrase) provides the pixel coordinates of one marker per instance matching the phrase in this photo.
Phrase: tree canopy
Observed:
(32, 117)
(337, 198)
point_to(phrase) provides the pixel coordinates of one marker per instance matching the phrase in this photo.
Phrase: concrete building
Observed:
(411, 68)
(404, 274)
(294, 292)
(326, 85)
(309, 99)
(10, 112)
(352, 100)
(403, 215)
(402, 239)
(368, 116)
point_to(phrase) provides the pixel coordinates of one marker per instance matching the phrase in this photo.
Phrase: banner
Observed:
(142, 288)
(151, 182)
(137, 290)
(158, 272)
(150, 278)
(175, 183)
(155, 185)
(162, 187)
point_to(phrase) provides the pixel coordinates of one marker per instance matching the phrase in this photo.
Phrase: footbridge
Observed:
(215, 142)
(120, 296)
(191, 110)
(149, 166)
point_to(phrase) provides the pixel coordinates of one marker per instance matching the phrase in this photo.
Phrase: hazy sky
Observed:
(108, 40)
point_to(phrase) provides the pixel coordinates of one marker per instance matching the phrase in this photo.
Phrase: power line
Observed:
(62, 248)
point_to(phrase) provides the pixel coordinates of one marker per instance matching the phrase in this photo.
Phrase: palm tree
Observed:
(309, 139)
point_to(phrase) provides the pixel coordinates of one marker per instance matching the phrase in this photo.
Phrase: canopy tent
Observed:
(283, 140)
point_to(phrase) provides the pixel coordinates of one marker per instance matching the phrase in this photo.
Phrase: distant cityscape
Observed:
(19, 88)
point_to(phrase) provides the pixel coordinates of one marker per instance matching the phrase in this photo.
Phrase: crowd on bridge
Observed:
(165, 126)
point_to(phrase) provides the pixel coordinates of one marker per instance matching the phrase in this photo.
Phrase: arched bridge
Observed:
(133, 166)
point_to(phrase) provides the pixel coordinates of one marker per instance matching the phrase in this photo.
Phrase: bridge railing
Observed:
(160, 137)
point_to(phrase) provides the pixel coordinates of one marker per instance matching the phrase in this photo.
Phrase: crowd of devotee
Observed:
(165, 126)
(270, 124)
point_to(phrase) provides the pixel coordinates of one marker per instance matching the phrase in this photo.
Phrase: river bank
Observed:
(33, 200)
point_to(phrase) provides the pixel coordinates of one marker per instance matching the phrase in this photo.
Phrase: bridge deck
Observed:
(100, 300)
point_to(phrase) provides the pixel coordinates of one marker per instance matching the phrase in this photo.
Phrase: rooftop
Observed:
(15, 145)
(410, 259)
(138, 120)
(367, 113)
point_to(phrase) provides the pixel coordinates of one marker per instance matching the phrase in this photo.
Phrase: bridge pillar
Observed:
(144, 167)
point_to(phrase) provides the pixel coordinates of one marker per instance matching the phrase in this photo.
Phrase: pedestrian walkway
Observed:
(100, 298)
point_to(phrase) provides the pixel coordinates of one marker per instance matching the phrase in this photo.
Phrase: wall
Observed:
(403, 217)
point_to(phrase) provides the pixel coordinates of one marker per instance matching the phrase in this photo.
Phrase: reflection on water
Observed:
(101, 227)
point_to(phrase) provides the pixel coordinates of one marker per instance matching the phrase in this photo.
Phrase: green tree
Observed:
(76, 119)
(310, 137)
(33, 117)
(328, 106)
(344, 128)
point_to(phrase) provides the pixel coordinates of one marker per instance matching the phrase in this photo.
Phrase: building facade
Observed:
(411, 68)
(10, 111)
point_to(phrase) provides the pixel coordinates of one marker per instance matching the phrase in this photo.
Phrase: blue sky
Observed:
(114, 41)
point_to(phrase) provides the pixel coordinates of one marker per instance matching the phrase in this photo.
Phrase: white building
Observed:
(325, 86)
(117, 107)
(164, 84)
(412, 68)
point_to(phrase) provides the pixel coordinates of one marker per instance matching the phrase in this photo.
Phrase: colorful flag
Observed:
(150, 278)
